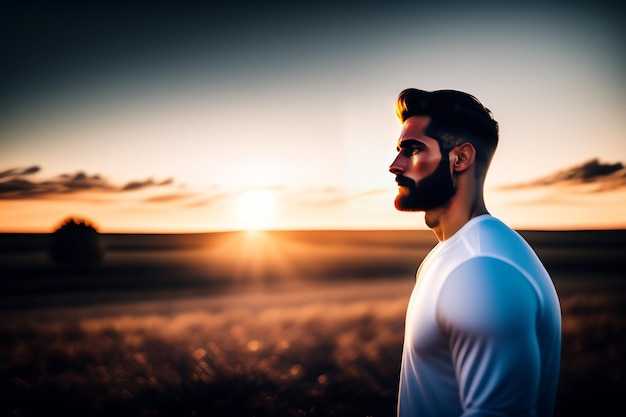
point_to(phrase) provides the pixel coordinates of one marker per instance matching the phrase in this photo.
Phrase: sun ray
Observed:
(259, 257)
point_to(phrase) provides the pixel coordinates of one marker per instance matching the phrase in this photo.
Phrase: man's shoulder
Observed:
(488, 226)
(491, 237)
(488, 291)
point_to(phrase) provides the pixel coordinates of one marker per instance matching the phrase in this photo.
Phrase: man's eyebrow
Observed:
(404, 143)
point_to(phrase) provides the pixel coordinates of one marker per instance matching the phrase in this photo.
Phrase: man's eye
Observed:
(411, 151)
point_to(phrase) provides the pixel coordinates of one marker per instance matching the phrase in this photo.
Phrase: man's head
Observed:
(455, 117)
(434, 124)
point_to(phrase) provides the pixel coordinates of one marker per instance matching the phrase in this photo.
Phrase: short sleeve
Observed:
(488, 311)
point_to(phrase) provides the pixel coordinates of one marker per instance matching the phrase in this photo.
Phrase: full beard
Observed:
(431, 192)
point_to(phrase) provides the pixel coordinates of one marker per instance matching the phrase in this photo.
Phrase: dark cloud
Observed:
(13, 186)
(80, 181)
(18, 172)
(606, 176)
(16, 187)
(137, 185)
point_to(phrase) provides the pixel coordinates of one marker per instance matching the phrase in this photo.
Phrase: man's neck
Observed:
(446, 221)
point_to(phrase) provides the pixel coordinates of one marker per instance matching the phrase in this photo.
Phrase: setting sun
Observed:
(255, 208)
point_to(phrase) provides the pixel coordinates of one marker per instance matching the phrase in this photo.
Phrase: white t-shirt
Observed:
(483, 329)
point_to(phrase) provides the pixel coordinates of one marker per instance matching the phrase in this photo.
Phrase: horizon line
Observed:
(316, 229)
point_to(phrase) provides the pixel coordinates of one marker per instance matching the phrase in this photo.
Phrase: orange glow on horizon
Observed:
(549, 208)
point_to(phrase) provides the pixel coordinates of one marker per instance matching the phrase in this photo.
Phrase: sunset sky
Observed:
(160, 119)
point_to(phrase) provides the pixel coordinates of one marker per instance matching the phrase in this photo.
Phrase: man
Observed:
(483, 325)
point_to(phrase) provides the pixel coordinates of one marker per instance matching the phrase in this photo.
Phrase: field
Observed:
(265, 324)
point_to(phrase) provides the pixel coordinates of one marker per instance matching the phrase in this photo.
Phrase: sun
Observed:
(255, 209)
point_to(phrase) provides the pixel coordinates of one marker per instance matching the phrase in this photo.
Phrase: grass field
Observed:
(265, 324)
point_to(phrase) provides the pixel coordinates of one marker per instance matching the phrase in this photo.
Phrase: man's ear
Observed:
(463, 156)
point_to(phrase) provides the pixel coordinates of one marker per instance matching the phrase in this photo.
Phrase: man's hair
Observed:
(455, 118)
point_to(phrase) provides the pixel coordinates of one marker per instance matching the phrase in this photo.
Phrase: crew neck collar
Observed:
(468, 224)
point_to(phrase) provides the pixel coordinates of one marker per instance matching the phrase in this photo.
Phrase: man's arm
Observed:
(488, 310)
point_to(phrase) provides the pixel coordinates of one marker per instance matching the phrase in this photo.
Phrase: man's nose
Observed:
(396, 168)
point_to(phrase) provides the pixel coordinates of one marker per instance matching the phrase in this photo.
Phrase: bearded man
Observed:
(483, 324)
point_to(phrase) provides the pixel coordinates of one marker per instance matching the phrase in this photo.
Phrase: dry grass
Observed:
(314, 359)
(322, 358)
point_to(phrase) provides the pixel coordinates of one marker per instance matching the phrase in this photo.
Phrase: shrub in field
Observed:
(76, 243)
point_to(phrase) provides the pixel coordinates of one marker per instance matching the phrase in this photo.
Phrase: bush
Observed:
(76, 243)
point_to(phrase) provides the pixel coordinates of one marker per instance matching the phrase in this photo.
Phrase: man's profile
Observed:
(483, 324)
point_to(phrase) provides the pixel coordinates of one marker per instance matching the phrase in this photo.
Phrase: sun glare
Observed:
(255, 209)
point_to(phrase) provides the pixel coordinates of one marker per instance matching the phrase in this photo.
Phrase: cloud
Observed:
(166, 198)
(599, 175)
(18, 172)
(137, 185)
(19, 188)
(68, 183)
(13, 186)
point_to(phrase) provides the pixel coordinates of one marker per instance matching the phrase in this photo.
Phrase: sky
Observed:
(164, 118)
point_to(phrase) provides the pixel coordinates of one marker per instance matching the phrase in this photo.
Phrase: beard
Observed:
(429, 193)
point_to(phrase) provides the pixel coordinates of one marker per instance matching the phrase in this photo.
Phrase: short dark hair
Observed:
(455, 117)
